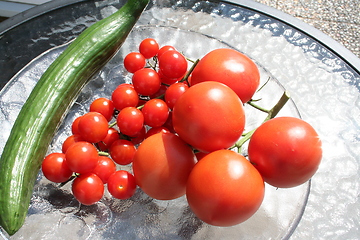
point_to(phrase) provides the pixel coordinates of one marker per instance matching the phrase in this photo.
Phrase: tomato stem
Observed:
(251, 103)
(271, 114)
(185, 78)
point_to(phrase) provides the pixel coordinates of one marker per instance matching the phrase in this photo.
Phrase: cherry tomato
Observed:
(105, 168)
(286, 151)
(164, 49)
(162, 165)
(224, 189)
(155, 112)
(130, 121)
(93, 127)
(122, 151)
(75, 126)
(161, 91)
(134, 61)
(70, 141)
(81, 157)
(125, 96)
(209, 116)
(146, 81)
(172, 64)
(139, 137)
(121, 185)
(104, 106)
(230, 67)
(88, 188)
(166, 80)
(148, 47)
(55, 168)
(174, 92)
(111, 137)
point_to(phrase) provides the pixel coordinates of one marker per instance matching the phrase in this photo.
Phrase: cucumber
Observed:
(47, 105)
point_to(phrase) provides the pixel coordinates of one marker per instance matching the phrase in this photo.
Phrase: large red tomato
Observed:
(224, 189)
(162, 165)
(209, 116)
(230, 67)
(286, 151)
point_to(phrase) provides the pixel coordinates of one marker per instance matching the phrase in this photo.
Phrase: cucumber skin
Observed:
(48, 103)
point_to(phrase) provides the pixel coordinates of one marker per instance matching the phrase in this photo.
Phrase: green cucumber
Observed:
(47, 104)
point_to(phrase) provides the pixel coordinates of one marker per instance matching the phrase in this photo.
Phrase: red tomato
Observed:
(122, 151)
(121, 185)
(111, 137)
(164, 49)
(70, 141)
(224, 189)
(286, 151)
(81, 157)
(105, 168)
(75, 126)
(93, 127)
(134, 61)
(146, 81)
(230, 67)
(88, 188)
(55, 168)
(173, 93)
(162, 165)
(104, 106)
(148, 47)
(209, 116)
(155, 112)
(172, 64)
(125, 96)
(130, 121)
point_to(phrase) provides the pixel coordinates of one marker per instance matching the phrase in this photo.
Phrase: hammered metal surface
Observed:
(323, 87)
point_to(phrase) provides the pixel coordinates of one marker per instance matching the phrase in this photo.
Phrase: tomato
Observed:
(55, 168)
(155, 130)
(162, 165)
(93, 127)
(122, 151)
(224, 189)
(148, 47)
(70, 141)
(88, 188)
(130, 121)
(164, 49)
(104, 106)
(286, 151)
(174, 92)
(172, 64)
(230, 67)
(121, 185)
(134, 61)
(125, 96)
(112, 136)
(155, 112)
(105, 168)
(146, 81)
(209, 116)
(81, 157)
(75, 126)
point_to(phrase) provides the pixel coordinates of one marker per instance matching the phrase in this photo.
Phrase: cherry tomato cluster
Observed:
(178, 125)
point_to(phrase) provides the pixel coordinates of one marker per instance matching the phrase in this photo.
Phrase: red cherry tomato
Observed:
(172, 64)
(125, 96)
(81, 157)
(130, 121)
(93, 127)
(111, 137)
(230, 67)
(88, 188)
(162, 165)
(121, 185)
(224, 189)
(122, 151)
(155, 112)
(209, 116)
(148, 47)
(146, 81)
(174, 92)
(164, 49)
(134, 61)
(105, 168)
(104, 106)
(55, 168)
(286, 151)
(75, 126)
(70, 141)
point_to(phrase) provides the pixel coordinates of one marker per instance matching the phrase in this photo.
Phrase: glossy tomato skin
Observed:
(286, 151)
(230, 67)
(209, 116)
(162, 164)
(224, 189)
(88, 188)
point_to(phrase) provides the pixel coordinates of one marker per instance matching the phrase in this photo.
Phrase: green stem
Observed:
(271, 114)
(251, 103)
